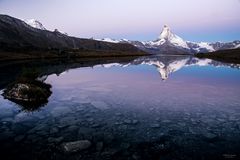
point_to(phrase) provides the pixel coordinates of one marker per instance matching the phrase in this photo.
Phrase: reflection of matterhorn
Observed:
(166, 65)
(172, 67)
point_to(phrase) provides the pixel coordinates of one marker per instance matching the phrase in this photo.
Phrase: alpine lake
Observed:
(128, 108)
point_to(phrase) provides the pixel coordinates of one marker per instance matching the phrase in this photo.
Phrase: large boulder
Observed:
(30, 94)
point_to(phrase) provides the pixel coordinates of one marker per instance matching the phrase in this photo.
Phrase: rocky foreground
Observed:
(94, 130)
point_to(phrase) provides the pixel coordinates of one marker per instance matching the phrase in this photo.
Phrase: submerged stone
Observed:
(118, 114)
(76, 146)
(210, 136)
(100, 105)
(59, 111)
(55, 140)
(155, 125)
(135, 121)
(127, 121)
(96, 125)
(54, 130)
(99, 146)
(19, 138)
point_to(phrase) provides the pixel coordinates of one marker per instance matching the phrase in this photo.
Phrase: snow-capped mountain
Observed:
(35, 24)
(168, 42)
(16, 36)
(167, 36)
(228, 45)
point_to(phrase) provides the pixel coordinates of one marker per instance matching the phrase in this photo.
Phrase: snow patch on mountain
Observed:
(206, 45)
(38, 25)
(201, 47)
(108, 40)
(35, 24)
(237, 46)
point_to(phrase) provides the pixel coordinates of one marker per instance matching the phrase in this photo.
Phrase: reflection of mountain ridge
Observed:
(168, 64)
(10, 71)
(165, 65)
(23, 82)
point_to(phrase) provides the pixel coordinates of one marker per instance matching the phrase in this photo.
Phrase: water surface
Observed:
(164, 107)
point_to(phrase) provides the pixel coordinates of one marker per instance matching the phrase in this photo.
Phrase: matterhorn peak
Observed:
(167, 36)
(166, 33)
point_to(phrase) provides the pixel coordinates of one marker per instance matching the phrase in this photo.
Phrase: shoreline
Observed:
(227, 56)
(15, 56)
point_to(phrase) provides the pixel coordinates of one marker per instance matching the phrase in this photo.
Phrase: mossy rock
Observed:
(29, 94)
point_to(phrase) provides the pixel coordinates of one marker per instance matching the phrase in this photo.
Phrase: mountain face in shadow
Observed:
(18, 36)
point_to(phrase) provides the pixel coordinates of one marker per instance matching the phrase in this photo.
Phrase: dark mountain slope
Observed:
(17, 36)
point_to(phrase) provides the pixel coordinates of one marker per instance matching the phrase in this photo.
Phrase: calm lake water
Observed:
(164, 107)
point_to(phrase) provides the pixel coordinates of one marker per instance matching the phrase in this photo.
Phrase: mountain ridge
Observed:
(18, 36)
(170, 42)
(32, 35)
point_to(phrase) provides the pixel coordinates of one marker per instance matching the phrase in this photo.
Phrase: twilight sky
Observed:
(204, 20)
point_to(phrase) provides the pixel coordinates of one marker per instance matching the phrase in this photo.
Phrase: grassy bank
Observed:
(14, 55)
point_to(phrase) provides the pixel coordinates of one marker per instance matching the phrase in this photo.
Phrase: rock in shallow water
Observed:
(100, 105)
(76, 146)
(19, 138)
(210, 137)
(155, 125)
(55, 140)
(30, 94)
(99, 146)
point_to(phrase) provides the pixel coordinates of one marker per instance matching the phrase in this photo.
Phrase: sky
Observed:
(193, 20)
